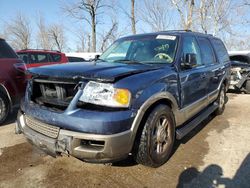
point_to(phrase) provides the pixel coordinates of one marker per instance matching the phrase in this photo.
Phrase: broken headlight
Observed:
(105, 94)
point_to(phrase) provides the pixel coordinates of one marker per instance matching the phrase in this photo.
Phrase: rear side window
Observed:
(24, 57)
(56, 57)
(207, 53)
(6, 51)
(75, 59)
(38, 58)
(220, 50)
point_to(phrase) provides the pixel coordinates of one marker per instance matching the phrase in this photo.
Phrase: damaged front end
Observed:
(57, 117)
(240, 77)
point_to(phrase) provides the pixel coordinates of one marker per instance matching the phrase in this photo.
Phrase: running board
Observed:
(181, 132)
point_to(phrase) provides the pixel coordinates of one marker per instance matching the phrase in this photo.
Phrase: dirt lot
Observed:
(216, 154)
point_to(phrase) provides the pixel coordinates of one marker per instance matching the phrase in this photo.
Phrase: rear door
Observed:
(193, 81)
(223, 69)
(213, 67)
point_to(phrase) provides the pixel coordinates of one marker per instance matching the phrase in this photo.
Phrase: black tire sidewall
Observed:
(220, 109)
(148, 156)
(7, 108)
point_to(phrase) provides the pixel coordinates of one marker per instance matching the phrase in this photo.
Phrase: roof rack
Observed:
(176, 30)
(41, 50)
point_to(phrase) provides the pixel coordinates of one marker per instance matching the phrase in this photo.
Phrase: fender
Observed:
(148, 103)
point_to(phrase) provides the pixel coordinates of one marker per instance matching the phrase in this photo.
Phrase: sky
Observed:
(52, 12)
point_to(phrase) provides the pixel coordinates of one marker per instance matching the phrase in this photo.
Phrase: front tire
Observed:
(4, 108)
(157, 138)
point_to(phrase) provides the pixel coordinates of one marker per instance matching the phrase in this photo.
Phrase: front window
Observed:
(150, 49)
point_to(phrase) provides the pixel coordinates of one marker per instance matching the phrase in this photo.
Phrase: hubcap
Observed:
(161, 135)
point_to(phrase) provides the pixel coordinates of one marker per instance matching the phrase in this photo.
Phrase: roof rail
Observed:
(176, 30)
(40, 49)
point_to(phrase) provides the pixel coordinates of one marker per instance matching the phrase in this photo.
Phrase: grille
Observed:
(43, 128)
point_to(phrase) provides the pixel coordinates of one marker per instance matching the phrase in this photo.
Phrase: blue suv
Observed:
(140, 95)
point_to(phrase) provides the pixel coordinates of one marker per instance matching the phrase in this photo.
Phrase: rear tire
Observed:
(248, 86)
(4, 107)
(221, 101)
(157, 138)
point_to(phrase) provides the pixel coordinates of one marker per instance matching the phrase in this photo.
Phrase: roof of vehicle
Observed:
(38, 50)
(173, 32)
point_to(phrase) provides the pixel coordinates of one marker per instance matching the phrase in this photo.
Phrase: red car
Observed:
(36, 58)
(12, 80)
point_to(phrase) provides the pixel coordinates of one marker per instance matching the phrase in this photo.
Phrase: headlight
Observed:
(105, 94)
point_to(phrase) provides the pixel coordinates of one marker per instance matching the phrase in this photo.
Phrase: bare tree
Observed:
(19, 32)
(81, 40)
(89, 11)
(155, 14)
(133, 16)
(57, 36)
(185, 8)
(43, 38)
(110, 35)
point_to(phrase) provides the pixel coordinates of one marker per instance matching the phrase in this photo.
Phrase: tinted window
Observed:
(75, 59)
(207, 53)
(56, 57)
(24, 57)
(38, 58)
(220, 50)
(190, 46)
(6, 51)
(145, 49)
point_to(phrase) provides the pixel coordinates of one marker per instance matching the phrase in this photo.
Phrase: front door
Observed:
(193, 80)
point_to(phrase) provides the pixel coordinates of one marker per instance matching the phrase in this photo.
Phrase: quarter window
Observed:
(221, 50)
(56, 57)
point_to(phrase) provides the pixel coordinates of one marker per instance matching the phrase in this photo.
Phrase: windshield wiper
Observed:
(128, 61)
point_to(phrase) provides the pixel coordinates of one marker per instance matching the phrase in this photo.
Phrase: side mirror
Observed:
(96, 57)
(190, 61)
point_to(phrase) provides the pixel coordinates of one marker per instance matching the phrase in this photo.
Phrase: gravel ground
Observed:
(215, 154)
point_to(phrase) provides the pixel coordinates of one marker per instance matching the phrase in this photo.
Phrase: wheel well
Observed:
(144, 118)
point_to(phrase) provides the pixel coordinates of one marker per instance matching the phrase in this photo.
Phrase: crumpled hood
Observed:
(106, 72)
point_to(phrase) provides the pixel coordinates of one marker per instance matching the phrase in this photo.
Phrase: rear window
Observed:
(56, 57)
(220, 50)
(6, 51)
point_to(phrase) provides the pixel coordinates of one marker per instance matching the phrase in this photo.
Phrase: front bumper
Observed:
(84, 146)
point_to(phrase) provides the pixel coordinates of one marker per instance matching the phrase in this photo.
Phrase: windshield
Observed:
(153, 49)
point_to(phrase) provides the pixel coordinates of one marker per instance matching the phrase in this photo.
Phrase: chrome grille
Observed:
(43, 128)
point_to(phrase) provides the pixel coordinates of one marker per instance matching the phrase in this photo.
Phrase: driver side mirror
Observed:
(96, 57)
(190, 61)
